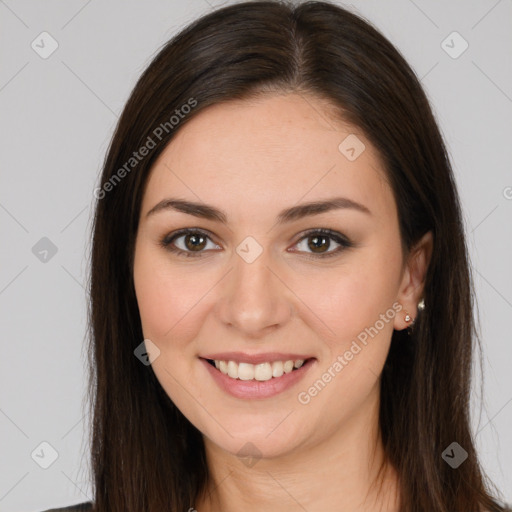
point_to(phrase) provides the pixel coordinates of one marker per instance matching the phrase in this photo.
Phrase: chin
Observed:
(251, 440)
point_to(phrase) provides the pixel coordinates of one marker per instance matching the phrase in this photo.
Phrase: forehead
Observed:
(266, 153)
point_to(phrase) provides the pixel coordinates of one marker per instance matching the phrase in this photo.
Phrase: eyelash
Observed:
(344, 242)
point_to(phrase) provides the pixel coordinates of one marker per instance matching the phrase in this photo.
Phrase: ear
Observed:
(410, 292)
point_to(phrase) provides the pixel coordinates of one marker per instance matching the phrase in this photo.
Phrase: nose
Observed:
(254, 298)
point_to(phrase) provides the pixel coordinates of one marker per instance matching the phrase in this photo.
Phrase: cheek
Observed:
(166, 298)
(358, 294)
(172, 313)
(358, 307)
(359, 310)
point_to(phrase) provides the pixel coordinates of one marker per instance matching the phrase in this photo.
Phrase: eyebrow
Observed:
(300, 211)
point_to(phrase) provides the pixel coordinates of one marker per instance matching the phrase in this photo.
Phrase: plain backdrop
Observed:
(58, 112)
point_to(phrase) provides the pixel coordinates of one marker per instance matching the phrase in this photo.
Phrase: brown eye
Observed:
(195, 242)
(318, 242)
(187, 242)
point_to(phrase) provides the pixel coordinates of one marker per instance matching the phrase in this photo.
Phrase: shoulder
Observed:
(79, 507)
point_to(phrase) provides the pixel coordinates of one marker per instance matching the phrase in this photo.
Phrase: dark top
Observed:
(79, 507)
(87, 507)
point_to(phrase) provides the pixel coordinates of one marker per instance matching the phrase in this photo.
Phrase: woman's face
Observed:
(256, 284)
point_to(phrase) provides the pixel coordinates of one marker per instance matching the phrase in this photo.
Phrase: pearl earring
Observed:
(409, 319)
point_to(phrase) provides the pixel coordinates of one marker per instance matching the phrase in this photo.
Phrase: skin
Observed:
(253, 159)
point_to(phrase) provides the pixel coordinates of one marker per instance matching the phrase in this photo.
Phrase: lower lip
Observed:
(255, 388)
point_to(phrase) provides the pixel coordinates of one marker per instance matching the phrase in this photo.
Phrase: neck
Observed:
(347, 471)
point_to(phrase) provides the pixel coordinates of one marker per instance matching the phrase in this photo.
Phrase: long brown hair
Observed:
(145, 454)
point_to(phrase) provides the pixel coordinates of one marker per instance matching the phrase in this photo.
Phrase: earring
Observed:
(408, 319)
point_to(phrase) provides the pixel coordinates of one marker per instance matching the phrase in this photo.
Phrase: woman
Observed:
(281, 302)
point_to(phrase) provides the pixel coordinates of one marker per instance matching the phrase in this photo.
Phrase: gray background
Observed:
(58, 115)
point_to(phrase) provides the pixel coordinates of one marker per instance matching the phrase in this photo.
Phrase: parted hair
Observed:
(145, 455)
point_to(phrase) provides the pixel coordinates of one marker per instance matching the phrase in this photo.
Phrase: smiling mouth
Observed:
(258, 372)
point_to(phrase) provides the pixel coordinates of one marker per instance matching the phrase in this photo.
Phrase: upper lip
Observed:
(266, 357)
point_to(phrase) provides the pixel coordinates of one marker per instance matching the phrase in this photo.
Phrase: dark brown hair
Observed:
(146, 456)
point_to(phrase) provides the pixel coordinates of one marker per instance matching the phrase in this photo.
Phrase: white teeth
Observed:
(260, 372)
(263, 371)
(245, 371)
(277, 369)
(232, 369)
(288, 366)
